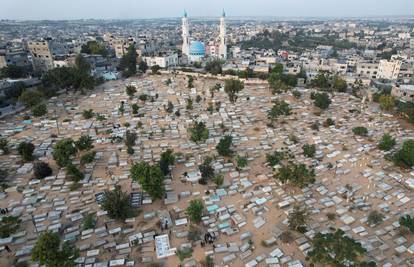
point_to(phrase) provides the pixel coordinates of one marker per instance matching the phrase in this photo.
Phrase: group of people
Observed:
(209, 238)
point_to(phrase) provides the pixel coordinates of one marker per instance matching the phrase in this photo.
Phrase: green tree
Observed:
(4, 145)
(297, 174)
(375, 217)
(82, 64)
(155, 69)
(190, 81)
(232, 87)
(39, 110)
(241, 161)
(42, 170)
(30, 98)
(189, 105)
(13, 72)
(128, 63)
(321, 81)
(117, 203)
(63, 150)
(360, 130)
(85, 142)
(224, 146)
(9, 226)
(296, 94)
(130, 91)
(339, 84)
(167, 159)
(143, 97)
(336, 249)
(275, 158)
(87, 157)
(214, 67)
(143, 66)
(135, 108)
(49, 251)
(322, 100)
(87, 114)
(405, 156)
(89, 222)
(198, 132)
(387, 102)
(206, 170)
(298, 219)
(170, 107)
(309, 150)
(25, 150)
(94, 48)
(387, 142)
(280, 108)
(195, 210)
(73, 173)
(408, 222)
(150, 177)
(218, 180)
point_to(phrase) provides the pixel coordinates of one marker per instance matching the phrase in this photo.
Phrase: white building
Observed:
(403, 92)
(389, 69)
(164, 61)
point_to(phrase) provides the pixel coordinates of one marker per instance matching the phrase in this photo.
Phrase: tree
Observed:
(321, 81)
(143, 66)
(73, 173)
(49, 251)
(218, 180)
(224, 146)
(296, 94)
(190, 81)
(275, 158)
(87, 114)
(206, 170)
(195, 210)
(15, 91)
(232, 87)
(170, 107)
(150, 177)
(9, 225)
(143, 97)
(39, 110)
(405, 156)
(408, 222)
(297, 174)
(87, 157)
(135, 108)
(198, 98)
(360, 130)
(155, 69)
(13, 72)
(241, 161)
(198, 132)
(340, 84)
(387, 142)
(336, 249)
(128, 63)
(167, 159)
(117, 203)
(309, 150)
(82, 64)
(387, 102)
(214, 67)
(30, 98)
(280, 108)
(94, 48)
(42, 170)
(375, 217)
(25, 150)
(89, 221)
(4, 145)
(189, 105)
(298, 219)
(85, 142)
(63, 150)
(322, 100)
(130, 91)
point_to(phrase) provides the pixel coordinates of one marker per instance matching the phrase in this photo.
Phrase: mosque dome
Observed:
(197, 49)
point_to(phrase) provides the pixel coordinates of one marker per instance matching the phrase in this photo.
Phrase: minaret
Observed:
(223, 43)
(185, 35)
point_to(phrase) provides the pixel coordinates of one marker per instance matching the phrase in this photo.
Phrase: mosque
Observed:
(195, 51)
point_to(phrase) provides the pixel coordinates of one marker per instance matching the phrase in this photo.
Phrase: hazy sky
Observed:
(118, 9)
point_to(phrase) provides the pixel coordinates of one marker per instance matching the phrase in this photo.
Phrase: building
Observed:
(367, 69)
(403, 92)
(195, 50)
(389, 70)
(163, 60)
(42, 58)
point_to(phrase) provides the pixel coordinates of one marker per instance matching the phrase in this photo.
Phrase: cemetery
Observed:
(219, 198)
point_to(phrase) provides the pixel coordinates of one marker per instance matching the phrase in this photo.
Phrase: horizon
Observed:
(162, 9)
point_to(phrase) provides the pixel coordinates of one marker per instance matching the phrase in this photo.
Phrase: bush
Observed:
(375, 217)
(117, 204)
(4, 145)
(309, 150)
(405, 156)
(195, 210)
(84, 143)
(39, 110)
(42, 170)
(198, 132)
(360, 130)
(87, 157)
(9, 225)
(322, 100)
(386, 143)
(89, 221)
(63, 150)
(224, 146)
(88, 114)
(25, 150)
(73, 173)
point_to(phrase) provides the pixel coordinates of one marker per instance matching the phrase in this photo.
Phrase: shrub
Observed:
(360, 130)
(42, 170)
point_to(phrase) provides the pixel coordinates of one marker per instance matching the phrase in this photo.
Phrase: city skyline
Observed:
(128, 9)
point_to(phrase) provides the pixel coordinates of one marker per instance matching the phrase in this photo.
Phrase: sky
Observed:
(135, 9)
